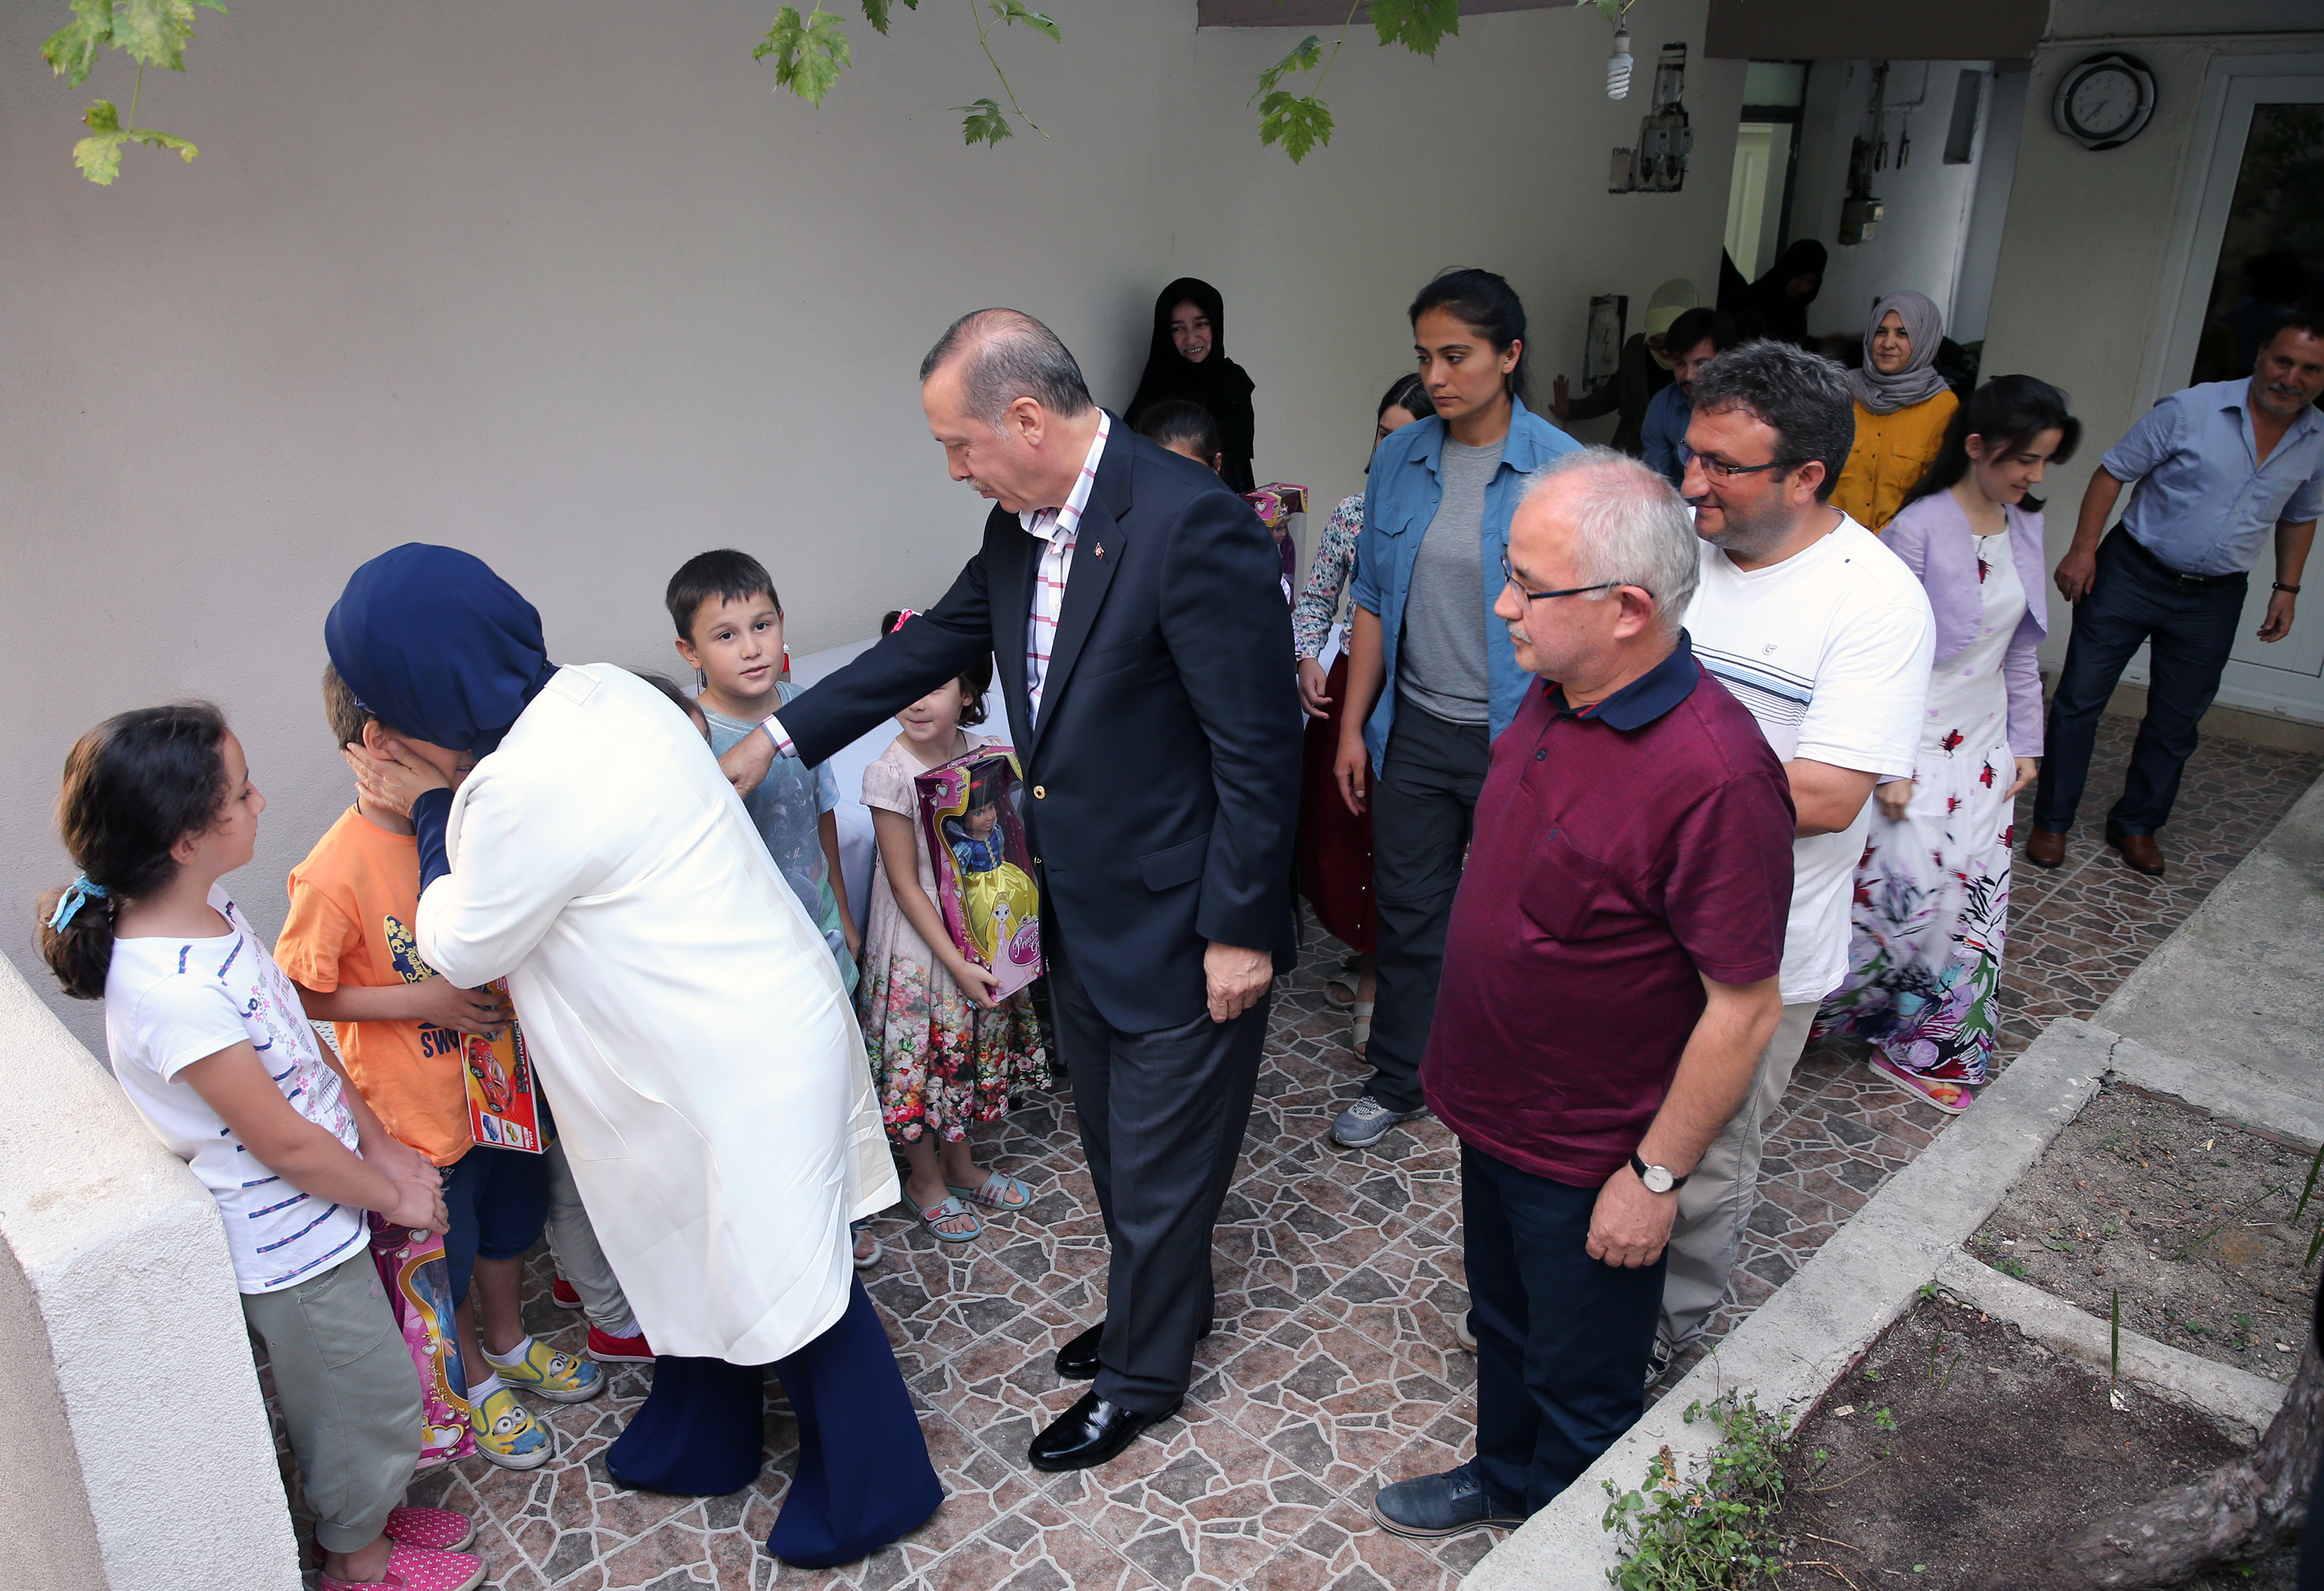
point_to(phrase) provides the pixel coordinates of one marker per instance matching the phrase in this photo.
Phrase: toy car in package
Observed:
(971, 813)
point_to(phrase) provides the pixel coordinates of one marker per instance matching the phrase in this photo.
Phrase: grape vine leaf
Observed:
(1016, 10)
(98, 155)
(72, 51)
(809, 51)
(1419, 25)
(875, 12)
(984, 122)
(1298, 123)
(1304, 57)
(155, 33)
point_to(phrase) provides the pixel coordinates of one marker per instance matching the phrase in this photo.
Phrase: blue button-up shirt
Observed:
(1669, 413)
(1400, 498)
(2205, 503)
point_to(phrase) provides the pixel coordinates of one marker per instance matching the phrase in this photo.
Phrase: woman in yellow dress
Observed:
(1902, 409)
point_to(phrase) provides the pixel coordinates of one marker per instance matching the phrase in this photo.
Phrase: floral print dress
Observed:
(940, 1062)
(1335, 558)
(1932, 891)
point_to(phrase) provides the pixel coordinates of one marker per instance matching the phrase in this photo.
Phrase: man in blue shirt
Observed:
(2216, 466)
(1696, 338)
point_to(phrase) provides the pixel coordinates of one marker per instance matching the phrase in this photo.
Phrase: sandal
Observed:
(856, 1232)
(1341, 987)
(1362, 1035)
(998, 1197)
(951, 1209)
(1926, 1087)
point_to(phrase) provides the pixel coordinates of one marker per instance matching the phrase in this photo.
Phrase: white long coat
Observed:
(706, 1069)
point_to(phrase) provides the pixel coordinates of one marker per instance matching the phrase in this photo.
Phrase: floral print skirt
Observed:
(940, 1062)
(1930, 914)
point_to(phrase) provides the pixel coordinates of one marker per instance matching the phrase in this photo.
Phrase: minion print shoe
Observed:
(561, 1378)
(508, 1434)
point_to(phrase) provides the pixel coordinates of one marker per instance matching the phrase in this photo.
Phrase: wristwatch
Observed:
(2280, 586)
(1657, 1178)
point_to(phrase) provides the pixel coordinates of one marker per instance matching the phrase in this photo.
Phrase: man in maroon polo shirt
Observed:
(1610, 980)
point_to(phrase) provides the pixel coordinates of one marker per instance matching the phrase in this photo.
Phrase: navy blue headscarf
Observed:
(434, 644)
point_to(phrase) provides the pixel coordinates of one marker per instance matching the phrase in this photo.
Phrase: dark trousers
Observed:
(1162, 1118)
(1562, 1341)
(1423, 806)
(863, 1477)
(2191, 628)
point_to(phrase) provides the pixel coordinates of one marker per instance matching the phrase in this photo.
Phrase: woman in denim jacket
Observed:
(1432, 677)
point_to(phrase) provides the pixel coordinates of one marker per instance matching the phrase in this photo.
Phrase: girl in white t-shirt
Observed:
(211, 1044)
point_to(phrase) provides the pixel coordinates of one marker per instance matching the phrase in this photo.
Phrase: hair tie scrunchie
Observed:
(77, 894)
(900, 616)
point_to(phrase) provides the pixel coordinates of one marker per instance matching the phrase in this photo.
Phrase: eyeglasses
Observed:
(1510, 575)
(1718, 469)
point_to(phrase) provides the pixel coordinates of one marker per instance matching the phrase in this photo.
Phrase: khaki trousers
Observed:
(1716, 1204)
(348, 1392)
(573, 1243)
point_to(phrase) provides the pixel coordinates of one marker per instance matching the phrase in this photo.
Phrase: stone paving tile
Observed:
(1332, 1369)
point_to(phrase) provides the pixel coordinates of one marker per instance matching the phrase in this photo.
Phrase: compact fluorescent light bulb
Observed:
(1617, 66)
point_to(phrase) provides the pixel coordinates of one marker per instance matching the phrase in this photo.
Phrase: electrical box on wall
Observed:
(1658, 163)
(1857, 218)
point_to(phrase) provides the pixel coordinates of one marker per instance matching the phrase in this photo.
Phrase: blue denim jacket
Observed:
(1400, 498)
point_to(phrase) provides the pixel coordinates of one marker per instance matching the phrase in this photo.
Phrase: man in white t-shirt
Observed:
(1825, 636)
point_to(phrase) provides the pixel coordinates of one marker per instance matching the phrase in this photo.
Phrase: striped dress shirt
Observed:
(1059, 528)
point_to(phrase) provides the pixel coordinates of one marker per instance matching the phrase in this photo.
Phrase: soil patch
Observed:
(2189, 1217)
(1956, 1443)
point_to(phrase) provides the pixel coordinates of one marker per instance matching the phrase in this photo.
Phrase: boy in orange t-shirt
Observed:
(348, 943)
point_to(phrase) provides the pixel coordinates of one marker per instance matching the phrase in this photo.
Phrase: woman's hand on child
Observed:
(393, 781)
(1894, 795)
(484, 1013)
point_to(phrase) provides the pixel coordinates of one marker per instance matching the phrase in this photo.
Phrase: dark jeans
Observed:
(1423, 806)
(1162, 1117)
(2191, 629)
(1562, 1341)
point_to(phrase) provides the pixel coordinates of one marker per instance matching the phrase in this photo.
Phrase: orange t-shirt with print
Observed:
(352, 903)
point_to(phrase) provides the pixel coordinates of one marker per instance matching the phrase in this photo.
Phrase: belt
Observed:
(2148, 556)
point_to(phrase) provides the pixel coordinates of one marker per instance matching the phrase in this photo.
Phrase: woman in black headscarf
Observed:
(1780, 299)
(1188, 360)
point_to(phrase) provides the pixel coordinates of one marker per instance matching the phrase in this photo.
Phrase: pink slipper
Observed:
(417, 1568)
(1926, 1087)
(438, 1529)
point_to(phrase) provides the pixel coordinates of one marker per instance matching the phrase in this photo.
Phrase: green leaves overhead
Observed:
(1419, 25)
(809, 51)
(151, 32)
(1305, 57)
(98, 155)
(1299, 124)
(1016, 10)
(982, 123)
(875, 12)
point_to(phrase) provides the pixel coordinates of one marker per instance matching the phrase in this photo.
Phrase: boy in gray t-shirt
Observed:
(729, 632)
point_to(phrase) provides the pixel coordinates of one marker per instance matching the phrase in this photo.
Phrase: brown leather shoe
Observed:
(2140, 852)
(2045, 849)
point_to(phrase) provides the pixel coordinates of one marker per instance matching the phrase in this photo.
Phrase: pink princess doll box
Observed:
(972, 820)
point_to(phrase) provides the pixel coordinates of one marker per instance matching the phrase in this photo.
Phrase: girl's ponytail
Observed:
(133, 786)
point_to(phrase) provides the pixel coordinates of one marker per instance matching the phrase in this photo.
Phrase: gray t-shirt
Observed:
(1440, 664)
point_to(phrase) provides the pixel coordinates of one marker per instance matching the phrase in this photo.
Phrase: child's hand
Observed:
(484, 1013)
(393, 781)
(418, 1207)
(981, 985)
(854, 937)
(1895, 799)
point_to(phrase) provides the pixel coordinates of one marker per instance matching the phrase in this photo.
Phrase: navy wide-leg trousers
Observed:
(863, 1477)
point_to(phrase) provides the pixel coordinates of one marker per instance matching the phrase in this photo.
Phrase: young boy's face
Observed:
(453, 766)
(738, 645)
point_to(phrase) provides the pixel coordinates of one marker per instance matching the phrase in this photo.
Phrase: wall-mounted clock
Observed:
(2104, 102)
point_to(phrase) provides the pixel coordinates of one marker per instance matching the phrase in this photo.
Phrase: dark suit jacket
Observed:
(1163, 774)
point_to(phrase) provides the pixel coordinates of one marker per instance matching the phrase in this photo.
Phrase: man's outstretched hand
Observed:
(746, 762)
(1236, 978)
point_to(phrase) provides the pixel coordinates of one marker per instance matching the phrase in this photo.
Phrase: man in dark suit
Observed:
(1131, 606)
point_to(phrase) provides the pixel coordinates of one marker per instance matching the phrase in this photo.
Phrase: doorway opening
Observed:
(1766, 164)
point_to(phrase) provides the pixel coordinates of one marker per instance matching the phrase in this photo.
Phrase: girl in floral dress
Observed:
(945, 1054)
(1932, 890)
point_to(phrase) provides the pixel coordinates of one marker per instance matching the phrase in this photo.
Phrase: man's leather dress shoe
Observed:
(1077, 1360)
(2140, 852)
(1090, 1433)
(2045, 848)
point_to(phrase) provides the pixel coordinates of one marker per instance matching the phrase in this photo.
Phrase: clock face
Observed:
(2104, 103)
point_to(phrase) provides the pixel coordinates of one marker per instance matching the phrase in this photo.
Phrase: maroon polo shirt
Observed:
(1622, 854)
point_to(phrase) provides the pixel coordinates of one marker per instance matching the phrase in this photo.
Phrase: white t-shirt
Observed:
(1830, 650)
(170, 1003)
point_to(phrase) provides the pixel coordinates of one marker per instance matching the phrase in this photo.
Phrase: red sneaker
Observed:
(561, 1294)
(620, 1350)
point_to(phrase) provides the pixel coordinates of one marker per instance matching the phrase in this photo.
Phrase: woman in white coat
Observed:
(694, 1041)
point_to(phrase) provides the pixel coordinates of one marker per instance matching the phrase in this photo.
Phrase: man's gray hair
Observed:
(1803, 396)
(1007, 355)
(1630, 529)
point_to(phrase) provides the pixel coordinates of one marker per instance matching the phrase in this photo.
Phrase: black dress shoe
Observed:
(1077, 1360)
(1091, 1433)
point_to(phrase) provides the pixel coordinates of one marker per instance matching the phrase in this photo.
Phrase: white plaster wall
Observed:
(562, 282)
(138, 1455)
(1918, 242)
(2077, 297)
